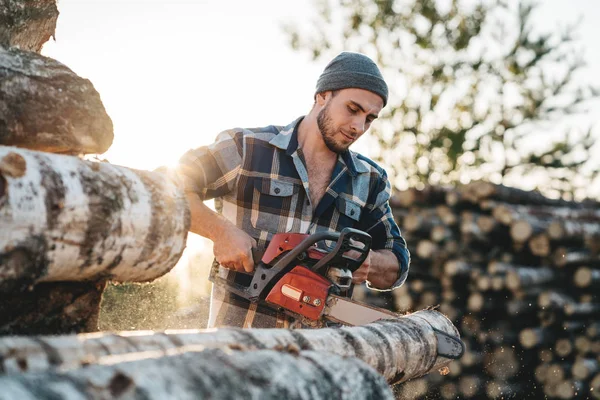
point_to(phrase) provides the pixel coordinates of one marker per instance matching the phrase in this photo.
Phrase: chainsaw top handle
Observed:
(346, 240)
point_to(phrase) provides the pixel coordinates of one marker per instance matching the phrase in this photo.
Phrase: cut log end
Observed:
(521, 231)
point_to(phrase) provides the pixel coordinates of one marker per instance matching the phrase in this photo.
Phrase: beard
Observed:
(328, 131)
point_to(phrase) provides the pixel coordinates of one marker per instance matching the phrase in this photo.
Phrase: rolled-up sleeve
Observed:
(380, 224)
(211, 171)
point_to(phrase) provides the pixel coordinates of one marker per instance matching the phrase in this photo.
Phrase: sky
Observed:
(173, 74)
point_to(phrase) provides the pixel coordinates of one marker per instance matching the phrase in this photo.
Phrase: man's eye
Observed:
(352, 110)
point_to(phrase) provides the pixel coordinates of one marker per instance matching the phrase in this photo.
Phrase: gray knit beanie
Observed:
(352, 70)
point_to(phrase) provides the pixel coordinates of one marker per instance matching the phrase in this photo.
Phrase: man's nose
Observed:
(358, 125)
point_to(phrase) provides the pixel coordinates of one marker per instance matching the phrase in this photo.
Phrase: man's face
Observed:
(345, 115)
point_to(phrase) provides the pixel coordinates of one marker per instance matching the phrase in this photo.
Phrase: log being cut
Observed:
(66, 219)
(208, 374)
(399, 349)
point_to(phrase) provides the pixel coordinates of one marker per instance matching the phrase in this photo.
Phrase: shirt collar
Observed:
(287, 139)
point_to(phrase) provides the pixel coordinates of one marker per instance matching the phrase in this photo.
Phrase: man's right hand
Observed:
(232, 246)
(233, 249)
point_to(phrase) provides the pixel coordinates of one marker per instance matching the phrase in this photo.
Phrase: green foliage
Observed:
(476, 91)
(133, 306)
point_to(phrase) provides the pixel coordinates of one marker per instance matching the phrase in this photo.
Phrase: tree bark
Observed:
(45, 106)
(399, 349)
(27, 24)
(64, 219)
(207, 373)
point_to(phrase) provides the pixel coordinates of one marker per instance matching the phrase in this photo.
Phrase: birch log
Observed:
(208, 374)
(27, 24)
(65, 219)
(399, 349)
(46, 106)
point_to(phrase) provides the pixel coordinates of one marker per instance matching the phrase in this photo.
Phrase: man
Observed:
(298, 178)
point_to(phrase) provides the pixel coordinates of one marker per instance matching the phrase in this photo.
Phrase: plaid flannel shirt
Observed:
(258, 178)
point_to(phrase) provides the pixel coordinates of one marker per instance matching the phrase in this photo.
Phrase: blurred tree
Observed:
(476, 93)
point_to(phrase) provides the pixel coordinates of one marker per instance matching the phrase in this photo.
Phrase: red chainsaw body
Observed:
(283, 242)
(301, 291)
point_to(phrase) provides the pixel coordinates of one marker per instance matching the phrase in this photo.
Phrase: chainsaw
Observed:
(315, 285)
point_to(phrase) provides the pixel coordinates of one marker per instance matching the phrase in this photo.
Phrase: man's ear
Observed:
(321, 98)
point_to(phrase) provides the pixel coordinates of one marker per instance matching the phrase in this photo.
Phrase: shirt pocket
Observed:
(274, 206)
(349, 212)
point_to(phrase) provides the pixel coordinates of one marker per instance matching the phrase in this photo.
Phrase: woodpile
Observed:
(519, 274)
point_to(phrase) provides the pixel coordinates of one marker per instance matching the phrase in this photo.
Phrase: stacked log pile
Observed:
(68, 225)
(519, 274)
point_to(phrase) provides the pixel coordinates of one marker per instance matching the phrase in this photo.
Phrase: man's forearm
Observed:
(383, 272)
(204, 221)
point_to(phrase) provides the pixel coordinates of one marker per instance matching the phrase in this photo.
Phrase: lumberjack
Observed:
(300, 178)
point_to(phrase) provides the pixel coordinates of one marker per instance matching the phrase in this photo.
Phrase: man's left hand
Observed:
(361, 274)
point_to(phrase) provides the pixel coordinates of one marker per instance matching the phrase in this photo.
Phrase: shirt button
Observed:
(351, 212)
(277, 190)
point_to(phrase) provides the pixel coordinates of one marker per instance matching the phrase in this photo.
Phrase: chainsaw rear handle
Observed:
(265, 276)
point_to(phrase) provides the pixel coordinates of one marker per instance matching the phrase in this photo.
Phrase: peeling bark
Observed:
(208, 373)
(65, 219)
(45, 106)
(399, 349)
(27, 24)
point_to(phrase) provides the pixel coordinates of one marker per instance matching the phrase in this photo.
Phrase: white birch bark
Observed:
(399, 349)
(65, 219)
(208, 374)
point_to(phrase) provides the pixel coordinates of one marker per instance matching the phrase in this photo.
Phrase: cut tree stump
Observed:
(45, 106)
(27, 24)
(65, 219)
